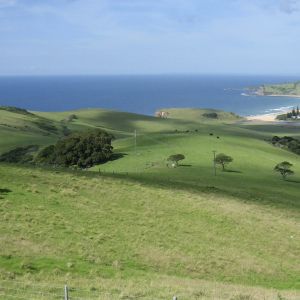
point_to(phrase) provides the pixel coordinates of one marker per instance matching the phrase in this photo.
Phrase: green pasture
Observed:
(135, 228)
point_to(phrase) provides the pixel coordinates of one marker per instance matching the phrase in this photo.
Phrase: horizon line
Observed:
(148, 74)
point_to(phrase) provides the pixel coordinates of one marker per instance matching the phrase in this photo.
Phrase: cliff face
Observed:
(260, 91)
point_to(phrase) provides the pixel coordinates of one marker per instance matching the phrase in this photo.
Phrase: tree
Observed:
(284, 168)
(223, 160)
(176, 158)
(20, 154)
(84, 150)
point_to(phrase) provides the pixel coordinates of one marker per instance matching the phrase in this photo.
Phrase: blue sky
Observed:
(149, 36)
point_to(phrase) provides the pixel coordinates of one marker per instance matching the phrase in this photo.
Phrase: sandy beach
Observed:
(264, 117)
(268, 117)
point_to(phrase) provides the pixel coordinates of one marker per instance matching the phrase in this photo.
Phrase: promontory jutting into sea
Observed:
(143, 94)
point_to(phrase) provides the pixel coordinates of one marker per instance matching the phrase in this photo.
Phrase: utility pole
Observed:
(135, 153)
(215, 167)
(135, 135)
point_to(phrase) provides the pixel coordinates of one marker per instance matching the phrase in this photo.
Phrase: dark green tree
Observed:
(83, 150)
(20, 154)
(284, 168)
(176, 158)
(223, 160)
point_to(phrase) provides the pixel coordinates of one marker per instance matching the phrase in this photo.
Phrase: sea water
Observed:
(143, 94)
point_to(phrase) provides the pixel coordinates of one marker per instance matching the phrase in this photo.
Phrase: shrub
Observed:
(20, 154)
(212, 115)
(79, 149)
(287, 142)
(176, 158)
(16, 110)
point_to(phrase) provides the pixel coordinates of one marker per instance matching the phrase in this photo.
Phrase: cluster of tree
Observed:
(284, 168)
(81, 150)
(186, 131)
(20, 155)
(16, 110)
(212, 115)
(287, 142)
(294, 114)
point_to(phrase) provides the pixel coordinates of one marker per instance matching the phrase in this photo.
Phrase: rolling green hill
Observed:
(135, 229)
(284, 89)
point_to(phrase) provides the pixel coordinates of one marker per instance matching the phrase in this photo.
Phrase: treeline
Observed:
(16, 110)
(287, 142)
(294, 114)
(82, 150)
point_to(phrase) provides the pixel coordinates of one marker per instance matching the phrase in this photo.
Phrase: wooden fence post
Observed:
(66, 293)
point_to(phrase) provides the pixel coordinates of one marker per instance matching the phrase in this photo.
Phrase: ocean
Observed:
(143, 94)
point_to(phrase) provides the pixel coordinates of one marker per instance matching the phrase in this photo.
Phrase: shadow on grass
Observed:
(117, 156)
(190, 186)
(233, 171)
(5, 191)
(292, 181)
(184, 165)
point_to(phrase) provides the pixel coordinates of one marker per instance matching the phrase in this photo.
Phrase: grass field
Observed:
(140, 230)
(292, 89)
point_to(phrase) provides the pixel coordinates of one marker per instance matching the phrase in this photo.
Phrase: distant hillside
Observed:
(201, 115)
(19, 127)
(284, 89)
(136, 228)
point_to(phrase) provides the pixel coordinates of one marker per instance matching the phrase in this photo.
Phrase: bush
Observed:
(287, 142)
(16, 110)
(79, 149)
(212, 115)
(19, 155)
(176, 158)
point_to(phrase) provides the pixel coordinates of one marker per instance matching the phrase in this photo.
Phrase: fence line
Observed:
(24, 290)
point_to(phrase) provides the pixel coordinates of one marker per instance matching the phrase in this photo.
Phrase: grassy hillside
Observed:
(140, 230)
(18, 129)
(285, 89)
(254, 160)
(63, 226)
(202, 115)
